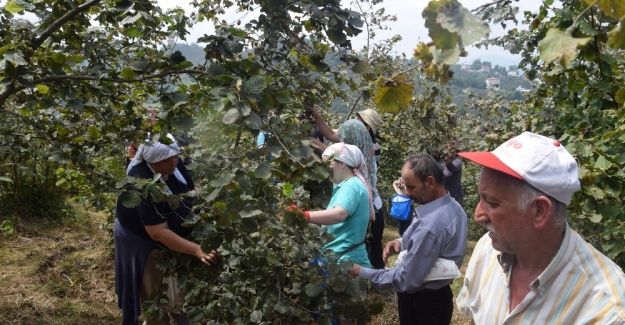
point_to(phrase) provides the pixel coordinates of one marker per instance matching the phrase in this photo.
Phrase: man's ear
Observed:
(430, 182)
(542, 211)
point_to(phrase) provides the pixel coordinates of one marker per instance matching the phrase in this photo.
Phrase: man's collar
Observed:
(433, 205)
(552, 270)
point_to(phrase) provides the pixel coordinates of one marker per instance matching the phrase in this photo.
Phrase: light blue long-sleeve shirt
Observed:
(438, 229)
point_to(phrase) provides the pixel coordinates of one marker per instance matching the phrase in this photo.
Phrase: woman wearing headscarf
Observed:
(141, 232)
(349, 211)
(358, 132)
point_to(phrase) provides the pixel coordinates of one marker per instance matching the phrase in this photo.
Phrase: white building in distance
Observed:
(492, 83)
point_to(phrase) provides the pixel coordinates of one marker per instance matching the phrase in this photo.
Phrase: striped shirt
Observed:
(580, 286)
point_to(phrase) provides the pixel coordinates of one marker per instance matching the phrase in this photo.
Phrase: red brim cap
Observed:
(488, 159)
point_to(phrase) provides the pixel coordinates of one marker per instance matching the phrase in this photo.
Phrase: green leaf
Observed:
(131, 199)
(282, 307)
(6, 179)
(448, 57)
(155, 193)
(231, 116)
(140, 65)
(336, 35)
(262, 171)
(13, 7)
(603, 164)
(597, 193)
(620, 96)
(392, 96)
(457, 19)
(256, 316)
(42, 89)
(255, 85)
(586, 28)
(273, 260)
(287, 189)
(361, 67)
(313, 289)
(60, 182)
(561, 46)
(16, 57)
(423, 53)
(128, 73)
(195, 313)
(596, 218)
(617, 36)
(131, 19)
(612, 8)
(249, 213)
(212, 241)
(75, 105)
(93, 131)
(5, 48)
(609, 211)
(442, 38)
(253, 121)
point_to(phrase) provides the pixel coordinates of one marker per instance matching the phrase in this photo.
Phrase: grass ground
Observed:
(64, 274)
(58, 274)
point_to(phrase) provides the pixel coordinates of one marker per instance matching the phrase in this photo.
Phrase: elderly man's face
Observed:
(499, 213)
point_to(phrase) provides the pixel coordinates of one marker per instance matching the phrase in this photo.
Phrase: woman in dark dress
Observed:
(143, 231)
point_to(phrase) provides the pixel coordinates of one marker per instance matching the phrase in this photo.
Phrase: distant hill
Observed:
(463, 79)
(494, 59)
(193, 52)
(511, 85)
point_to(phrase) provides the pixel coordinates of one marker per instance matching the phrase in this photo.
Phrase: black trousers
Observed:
(428, 307)
(375, 240)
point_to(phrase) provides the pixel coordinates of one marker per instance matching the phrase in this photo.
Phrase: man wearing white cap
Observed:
(531, 267)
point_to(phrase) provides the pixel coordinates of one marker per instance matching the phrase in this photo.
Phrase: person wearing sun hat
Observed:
(531, 267)
(372, 121)
(363, 135)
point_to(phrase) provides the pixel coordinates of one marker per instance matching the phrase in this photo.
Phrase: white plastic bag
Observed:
(443, 269)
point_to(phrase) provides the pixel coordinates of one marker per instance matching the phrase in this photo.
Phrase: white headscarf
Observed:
(352, 157)
(156, 152)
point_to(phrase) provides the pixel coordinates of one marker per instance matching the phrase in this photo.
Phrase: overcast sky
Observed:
(409, 24)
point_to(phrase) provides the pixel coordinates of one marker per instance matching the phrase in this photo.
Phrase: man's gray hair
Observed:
(526, 194)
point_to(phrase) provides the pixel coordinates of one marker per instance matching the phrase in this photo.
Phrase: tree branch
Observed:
(485, 6)
(9, 90)
(65, 18)
(89, 169)
(118, 80)
(273, 133)
(351, 110)
(576, 21)
(406, 71)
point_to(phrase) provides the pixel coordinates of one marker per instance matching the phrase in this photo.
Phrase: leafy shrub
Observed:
(35, 199)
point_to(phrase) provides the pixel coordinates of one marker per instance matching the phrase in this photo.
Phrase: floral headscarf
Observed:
(355, 133)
